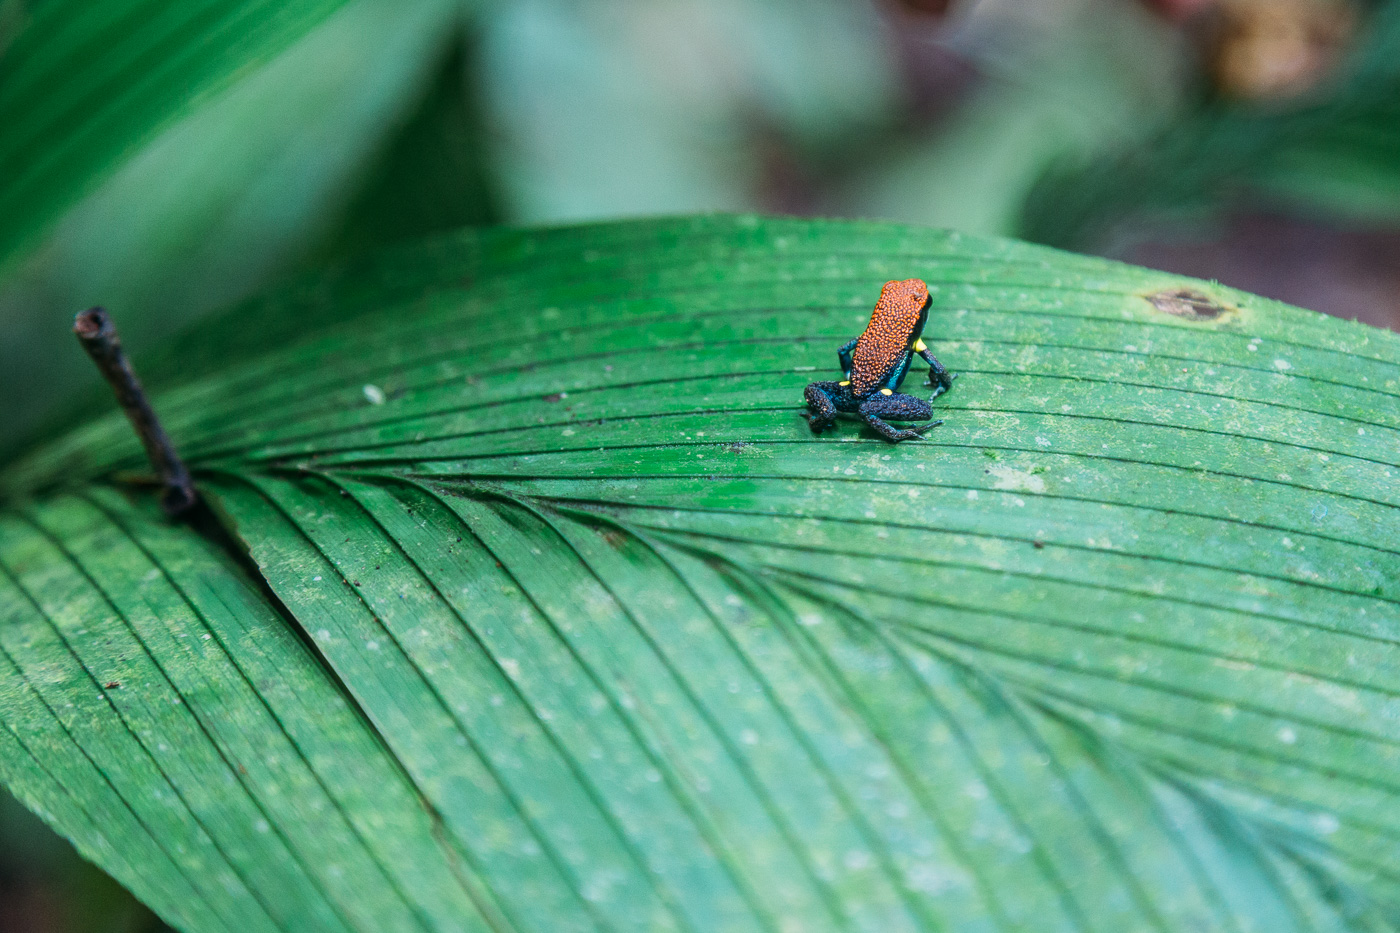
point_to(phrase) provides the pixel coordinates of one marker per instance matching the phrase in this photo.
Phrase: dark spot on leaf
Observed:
(735, 446)
(1188, 303)
(1038, 545)
(113, 684)
(557, 396)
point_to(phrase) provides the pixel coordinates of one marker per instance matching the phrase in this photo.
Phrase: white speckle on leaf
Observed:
(932, 878)
(1233, 665)
(374, 393)
(1282, 365)
(1287, 736)
(1008, 477)
(599, 886)
(856, 860)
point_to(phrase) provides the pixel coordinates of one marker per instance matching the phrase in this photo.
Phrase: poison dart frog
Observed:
(875, 364)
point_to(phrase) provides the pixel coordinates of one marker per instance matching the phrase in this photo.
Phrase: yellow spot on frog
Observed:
(846, 383)
(886, 392)
(918, 346)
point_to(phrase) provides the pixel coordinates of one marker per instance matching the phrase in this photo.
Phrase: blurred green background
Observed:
(167, 159)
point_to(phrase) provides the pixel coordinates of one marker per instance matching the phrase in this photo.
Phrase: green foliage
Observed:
(84, 83)
(226, 139)
(577, 626)
(1335, 152)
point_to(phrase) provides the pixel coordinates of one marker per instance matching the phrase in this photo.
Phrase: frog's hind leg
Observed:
(821, 403)
(897, 407)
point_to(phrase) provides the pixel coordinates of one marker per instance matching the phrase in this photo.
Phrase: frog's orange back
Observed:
(896, 316)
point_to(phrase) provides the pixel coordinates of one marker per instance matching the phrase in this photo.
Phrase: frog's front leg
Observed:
(897, 407)
(938, 377)
(844, 355)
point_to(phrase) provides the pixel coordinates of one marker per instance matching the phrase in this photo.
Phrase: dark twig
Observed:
(98, 335)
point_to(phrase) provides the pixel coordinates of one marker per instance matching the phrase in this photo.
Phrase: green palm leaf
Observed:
(598, 636)
(84, 84)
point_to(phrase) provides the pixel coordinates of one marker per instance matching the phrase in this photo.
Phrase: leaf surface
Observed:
(85, 83)
(1114, 648)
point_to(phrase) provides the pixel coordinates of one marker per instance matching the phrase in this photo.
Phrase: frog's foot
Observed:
(820, 404)
(897, 407)
(940, 380)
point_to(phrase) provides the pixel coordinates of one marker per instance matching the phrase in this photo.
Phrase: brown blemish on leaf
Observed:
(1188, 303)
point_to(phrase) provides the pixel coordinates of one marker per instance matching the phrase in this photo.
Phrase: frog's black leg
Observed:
(897, 407)
(844, 355)
(821, 405)
(937, 375)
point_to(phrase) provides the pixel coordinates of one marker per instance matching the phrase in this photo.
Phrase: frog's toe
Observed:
(909, 434)
(938, 385)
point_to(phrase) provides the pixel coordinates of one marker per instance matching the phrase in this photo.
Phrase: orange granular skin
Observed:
(887, 336)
